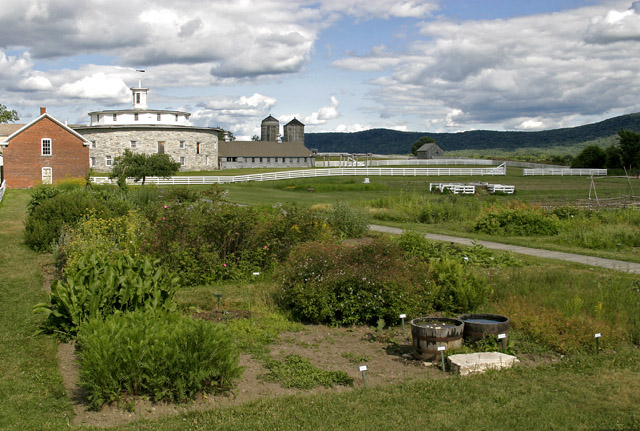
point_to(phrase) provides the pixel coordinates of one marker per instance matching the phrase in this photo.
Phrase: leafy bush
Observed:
(351, 285)
(518, 222)
(416, 245)
(456, 289)
(104, 237)
(348, 222)
(96, 287)
(50, 209)
(298, 372)
(162, 355)
(208, 241)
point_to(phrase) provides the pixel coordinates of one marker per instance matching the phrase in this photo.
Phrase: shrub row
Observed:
(355, 285)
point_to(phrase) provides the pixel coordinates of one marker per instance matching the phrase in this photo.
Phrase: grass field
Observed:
(580, 390)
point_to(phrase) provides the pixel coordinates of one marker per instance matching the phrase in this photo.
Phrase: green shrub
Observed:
(204, 242)
(417, 245)
(348, 222)
(50, 210)
(518, 222)
(323, 283)
(96, 287)
(102, 236)
(456, 289)
(165, 356)
(298, 372)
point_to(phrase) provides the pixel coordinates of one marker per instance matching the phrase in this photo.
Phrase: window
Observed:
(115, 117)
(93, 144)
(298, 161)
(133, 145)
(268, 159)
(98, 117)
(182, 145)
(253, 159)
(46, 147)
(176, 117)
(197, 147)
(206, 160)
(135, 116)
(260, 159)
(107, 160)
(47, 176)
(137, 98)
(161, 147)
(181, 161)
(92, 162)
(159, 117)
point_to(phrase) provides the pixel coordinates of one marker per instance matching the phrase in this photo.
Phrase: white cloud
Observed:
(382, 8)
(97, 86)
(324, 114)
(479, 74)
(615, 26)
(349, 128)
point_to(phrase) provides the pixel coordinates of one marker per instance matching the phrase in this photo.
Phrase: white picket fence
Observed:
(465, 189)
(3, 188)
(405, 162)
(313, 173)
(564, 172)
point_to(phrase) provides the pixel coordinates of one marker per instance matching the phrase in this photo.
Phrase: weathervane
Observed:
(140, 79)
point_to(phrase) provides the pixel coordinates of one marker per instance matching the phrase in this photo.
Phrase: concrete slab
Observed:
(480, 362)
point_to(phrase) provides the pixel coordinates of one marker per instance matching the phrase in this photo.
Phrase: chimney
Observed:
(43, 110)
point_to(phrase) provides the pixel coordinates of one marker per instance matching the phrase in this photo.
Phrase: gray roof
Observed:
(295, 122)
(427, 147)
(9, 128)
(262, 149)
(270, 119)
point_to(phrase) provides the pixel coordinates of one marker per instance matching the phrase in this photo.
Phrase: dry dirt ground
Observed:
(328, 348)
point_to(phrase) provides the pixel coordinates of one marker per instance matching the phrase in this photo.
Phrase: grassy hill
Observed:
(385, 141)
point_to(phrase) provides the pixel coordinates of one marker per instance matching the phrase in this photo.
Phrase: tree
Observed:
(592, 157)
(7, 115)
(139, 166)
(629, 146)
(222, 132)
(420, 142)
(255, 138)
(614, 159)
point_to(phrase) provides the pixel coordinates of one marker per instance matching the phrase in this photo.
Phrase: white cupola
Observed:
(139, 97)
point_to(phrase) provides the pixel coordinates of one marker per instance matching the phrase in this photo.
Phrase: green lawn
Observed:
(31, 393)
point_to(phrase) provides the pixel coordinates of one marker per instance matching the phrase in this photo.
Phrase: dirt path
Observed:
(619, 265)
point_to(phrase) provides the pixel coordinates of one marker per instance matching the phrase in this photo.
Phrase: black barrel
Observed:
(480, 325)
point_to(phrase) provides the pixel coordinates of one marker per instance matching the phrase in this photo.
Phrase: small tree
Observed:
(592, 157)
(139, 166)
(420, 142)
(629, 145)
(7, 115)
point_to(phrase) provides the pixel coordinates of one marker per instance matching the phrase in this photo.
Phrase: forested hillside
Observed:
(385, 141)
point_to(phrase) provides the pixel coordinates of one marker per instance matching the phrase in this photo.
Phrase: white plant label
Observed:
(363, 368)
(598, 335)
(441, 348)
(256, 273)
(402, 316)
(501, 336)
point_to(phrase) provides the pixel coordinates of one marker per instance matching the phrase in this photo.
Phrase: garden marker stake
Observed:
(363, 369)
(403, 316)
(441, 350)
(598, 335)
(502, 337)
(218, 295)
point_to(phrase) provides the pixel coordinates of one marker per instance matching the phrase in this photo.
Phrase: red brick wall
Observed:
(23, 161)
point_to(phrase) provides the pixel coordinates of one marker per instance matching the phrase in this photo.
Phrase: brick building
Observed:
(44, 151)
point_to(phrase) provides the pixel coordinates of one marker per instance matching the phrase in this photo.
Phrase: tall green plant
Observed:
(95, 288)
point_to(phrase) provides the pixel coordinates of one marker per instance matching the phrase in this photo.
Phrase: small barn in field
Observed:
(430, 151)
(44, 151)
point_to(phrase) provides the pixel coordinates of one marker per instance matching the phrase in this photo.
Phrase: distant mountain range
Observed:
(385, 141)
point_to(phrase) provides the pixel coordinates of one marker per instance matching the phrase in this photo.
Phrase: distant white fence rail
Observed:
(313, 173)
(564, 172)
(3, 188)
(430, 162)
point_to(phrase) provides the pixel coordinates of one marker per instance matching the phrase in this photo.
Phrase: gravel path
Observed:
(618, 265)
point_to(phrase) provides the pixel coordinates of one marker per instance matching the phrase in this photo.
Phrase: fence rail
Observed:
(564, 172)
(311, 173)
(432, 162)
(3, 188)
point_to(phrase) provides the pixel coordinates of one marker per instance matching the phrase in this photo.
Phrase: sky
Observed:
(335, 65)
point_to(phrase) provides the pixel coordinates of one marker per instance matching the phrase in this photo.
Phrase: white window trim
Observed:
(42, 147)
(133, 144)
(50, 171)
(108, 161)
